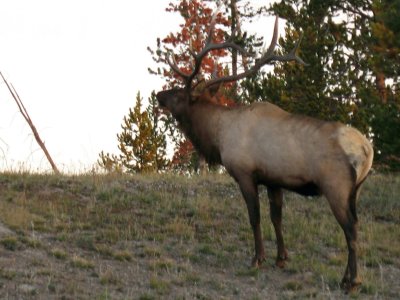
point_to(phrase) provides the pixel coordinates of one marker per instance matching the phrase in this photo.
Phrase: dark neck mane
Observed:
(200, 125)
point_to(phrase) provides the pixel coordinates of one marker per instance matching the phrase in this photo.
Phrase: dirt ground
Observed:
(34, 273)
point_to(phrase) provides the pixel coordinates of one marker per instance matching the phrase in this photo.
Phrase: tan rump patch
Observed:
(357, 148)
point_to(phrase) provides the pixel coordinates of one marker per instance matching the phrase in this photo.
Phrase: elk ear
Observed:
(213, 90)
(197, 89)
(205, 93)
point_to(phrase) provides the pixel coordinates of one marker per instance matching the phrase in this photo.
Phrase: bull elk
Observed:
(261, 144)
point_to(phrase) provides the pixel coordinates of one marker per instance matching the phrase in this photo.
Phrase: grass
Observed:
(82, 263)
(165, 235)
(107, 277)
(59, 254)
(10, 243)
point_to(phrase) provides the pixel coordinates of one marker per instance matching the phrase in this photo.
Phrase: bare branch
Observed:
(26, 116)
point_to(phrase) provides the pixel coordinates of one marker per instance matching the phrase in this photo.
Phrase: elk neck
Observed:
(201, 124)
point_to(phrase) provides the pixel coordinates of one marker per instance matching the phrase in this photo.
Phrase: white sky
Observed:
(77, 66)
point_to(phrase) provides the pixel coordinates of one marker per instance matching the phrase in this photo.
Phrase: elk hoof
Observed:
(257, 261)
(281, 259)
(350, 286)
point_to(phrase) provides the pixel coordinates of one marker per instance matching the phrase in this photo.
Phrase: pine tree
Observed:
(319, 89)
(109, 162)
(141, 143)
(158, 137)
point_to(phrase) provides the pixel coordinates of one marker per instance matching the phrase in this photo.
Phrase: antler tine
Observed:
(269, 56)
(214, 74)
(291, 56)
(294, 50)
(175, 67)
(191, 51)
(274, 39)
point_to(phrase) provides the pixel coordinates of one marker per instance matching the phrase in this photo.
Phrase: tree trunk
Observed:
(202, 165)
(381, 86)
(234, 24)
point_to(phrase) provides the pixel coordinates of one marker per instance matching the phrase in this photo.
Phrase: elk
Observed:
(261, 144)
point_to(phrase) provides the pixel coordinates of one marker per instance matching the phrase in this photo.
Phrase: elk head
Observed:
(174, 100)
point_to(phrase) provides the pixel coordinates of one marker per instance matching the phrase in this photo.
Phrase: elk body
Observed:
(261, 144)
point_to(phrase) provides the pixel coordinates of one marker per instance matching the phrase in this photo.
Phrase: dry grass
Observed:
(165, 236)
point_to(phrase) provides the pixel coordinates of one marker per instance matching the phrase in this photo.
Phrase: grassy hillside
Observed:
(164, 236)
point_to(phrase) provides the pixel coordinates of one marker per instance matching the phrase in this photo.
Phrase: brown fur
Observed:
(263, 144)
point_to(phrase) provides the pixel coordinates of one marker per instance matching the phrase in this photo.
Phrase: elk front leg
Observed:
(275, 196)
(250, 195)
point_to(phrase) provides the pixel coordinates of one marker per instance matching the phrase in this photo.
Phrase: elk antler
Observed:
(209, 46)
(267, 57)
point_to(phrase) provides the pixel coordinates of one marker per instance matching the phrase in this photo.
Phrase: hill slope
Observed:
(164, 236)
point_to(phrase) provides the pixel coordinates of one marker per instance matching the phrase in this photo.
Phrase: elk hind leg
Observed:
(343, 205)
(275, 196)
